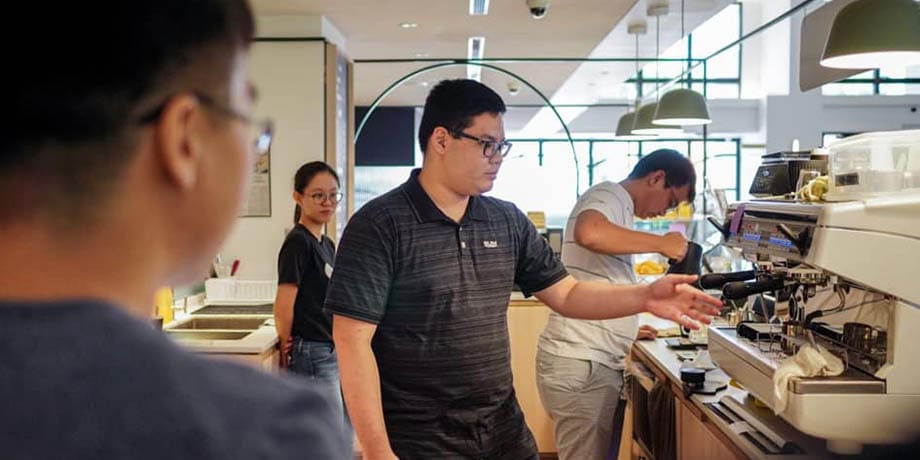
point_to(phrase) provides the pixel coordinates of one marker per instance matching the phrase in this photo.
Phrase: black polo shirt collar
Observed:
(426, 211)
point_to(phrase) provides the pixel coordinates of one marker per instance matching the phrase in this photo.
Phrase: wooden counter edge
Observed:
(693, 406)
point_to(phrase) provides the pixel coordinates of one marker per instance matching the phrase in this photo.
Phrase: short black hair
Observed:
(453, 104)
(78, 90)
(678, 169)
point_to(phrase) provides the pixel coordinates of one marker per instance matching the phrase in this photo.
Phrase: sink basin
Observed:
(206, 335)
(248, 324)
(262, 309)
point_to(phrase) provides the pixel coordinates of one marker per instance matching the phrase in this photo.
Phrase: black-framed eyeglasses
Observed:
(673, 201)
(264, 128)
(320, 197)
(490, 149)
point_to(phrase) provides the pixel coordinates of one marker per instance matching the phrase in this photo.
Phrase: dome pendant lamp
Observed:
(682, 106)
(644, 125)
(625, 126)
(868, 34)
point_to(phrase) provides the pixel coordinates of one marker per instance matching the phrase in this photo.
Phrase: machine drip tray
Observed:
(746, 425)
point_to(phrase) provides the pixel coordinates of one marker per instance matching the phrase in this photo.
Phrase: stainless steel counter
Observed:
(241, 329)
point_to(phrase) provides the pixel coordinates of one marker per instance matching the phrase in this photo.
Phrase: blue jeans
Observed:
(317, 362)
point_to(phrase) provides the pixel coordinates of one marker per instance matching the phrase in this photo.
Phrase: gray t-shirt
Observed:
(85, 380)
(603, 341)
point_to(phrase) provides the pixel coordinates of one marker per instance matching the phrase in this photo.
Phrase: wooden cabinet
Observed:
(267, 361)
(695, 440)
(695, 436)
(526, 320)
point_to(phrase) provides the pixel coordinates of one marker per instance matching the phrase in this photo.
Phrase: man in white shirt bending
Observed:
(580, 362)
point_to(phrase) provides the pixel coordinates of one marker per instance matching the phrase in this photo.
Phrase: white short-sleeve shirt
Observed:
(603, 341)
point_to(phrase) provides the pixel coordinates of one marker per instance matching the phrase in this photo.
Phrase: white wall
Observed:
(806, 116)
(290, 81)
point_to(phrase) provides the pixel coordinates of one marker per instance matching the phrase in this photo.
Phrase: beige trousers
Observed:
(582, 397)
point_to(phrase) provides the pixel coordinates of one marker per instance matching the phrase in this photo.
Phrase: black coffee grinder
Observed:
(691, 264)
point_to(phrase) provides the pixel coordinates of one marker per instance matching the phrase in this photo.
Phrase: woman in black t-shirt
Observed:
(304, 267)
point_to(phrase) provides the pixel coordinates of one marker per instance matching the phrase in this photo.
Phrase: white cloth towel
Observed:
(808, 362)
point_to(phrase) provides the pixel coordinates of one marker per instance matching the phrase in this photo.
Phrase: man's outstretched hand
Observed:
(671, 297)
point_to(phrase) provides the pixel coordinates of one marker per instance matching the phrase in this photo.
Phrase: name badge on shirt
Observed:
(328, 270)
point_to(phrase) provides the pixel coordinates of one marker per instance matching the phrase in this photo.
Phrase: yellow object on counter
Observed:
(669, 332)
(537, 218)
(650, 267)
(814, 190)
(163, 304)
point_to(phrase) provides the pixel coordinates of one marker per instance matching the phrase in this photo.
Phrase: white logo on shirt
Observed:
(490, 244)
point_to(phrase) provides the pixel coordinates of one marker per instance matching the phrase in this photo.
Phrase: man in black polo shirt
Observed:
(421, 288)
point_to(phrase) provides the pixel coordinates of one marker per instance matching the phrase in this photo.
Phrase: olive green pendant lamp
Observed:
(645, 127)
(625, 127)
(682, 106)
(868, 34)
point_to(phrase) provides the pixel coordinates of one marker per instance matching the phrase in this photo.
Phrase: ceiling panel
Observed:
(571, 29)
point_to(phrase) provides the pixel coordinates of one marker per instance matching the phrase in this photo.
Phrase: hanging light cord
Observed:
(657, 54)
(686, 61)
(638, 80)
(637, 55)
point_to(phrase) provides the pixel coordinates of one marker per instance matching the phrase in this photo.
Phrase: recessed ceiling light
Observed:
(421, 55)
(479, 7)
(408, 25)
(475, 50)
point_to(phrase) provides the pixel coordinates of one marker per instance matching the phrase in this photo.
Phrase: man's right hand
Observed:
(673, 246)
(671, 297)
(286, 346)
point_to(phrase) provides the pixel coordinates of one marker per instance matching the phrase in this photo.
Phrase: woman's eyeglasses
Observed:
(320, 197)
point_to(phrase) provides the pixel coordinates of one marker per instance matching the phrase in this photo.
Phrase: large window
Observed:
(720, 77)
(543, 178)
(373, 181)
(541, 175)
(886, 81)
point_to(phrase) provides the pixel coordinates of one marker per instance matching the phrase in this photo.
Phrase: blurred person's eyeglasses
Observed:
(490, 149)
(264, 128)
(320, 197)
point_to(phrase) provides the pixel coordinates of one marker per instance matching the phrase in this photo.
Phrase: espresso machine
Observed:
(844, 276)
